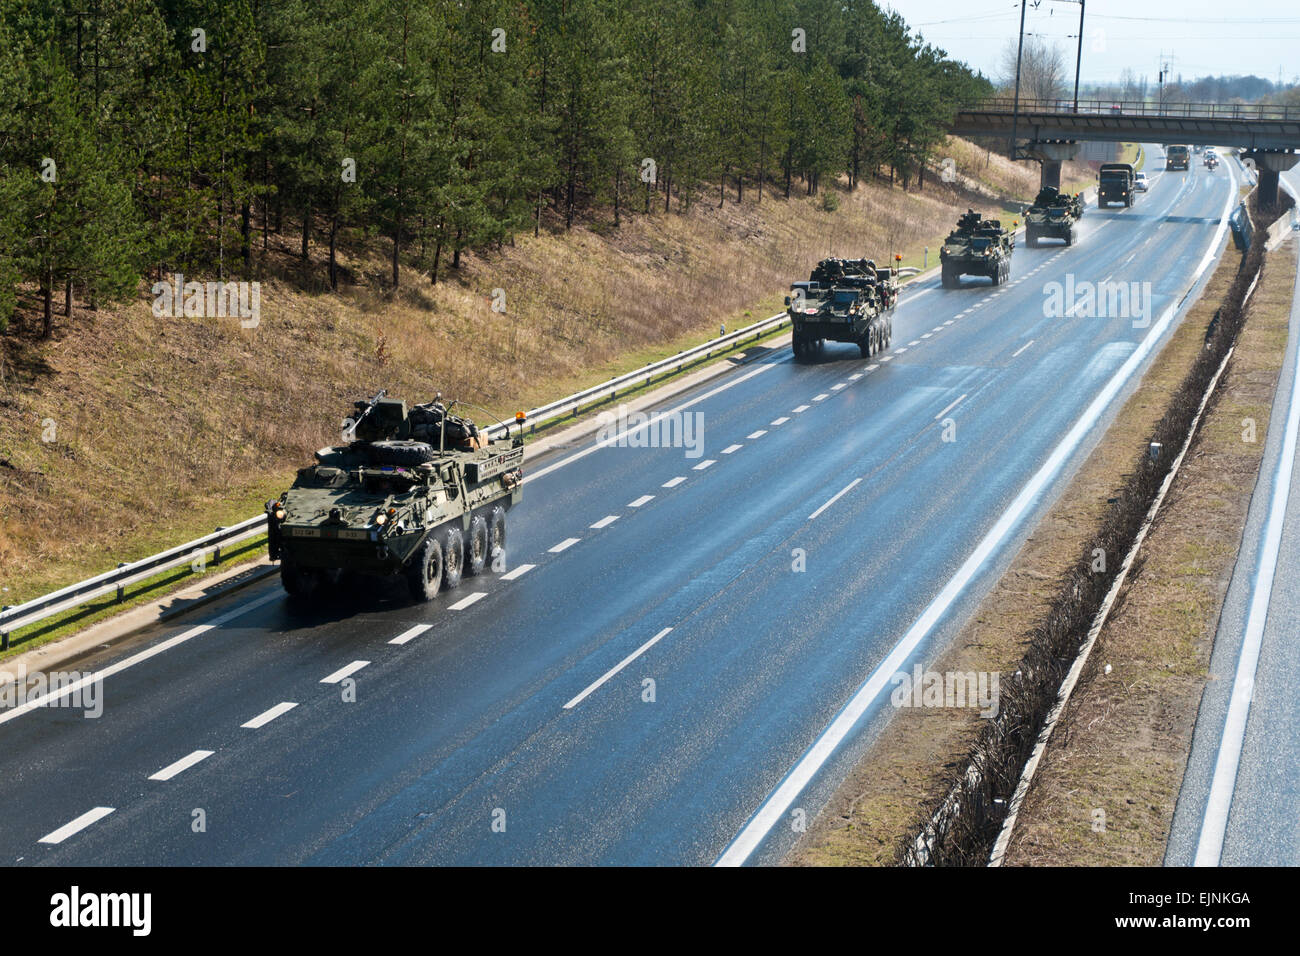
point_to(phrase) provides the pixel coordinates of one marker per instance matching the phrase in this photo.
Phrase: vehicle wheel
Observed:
(889, 333)
(497, 534)
(949, 280)
(424, 573)
(453, 557)
(476, 554)
(299, 582)
(866, 345)
(402, 452)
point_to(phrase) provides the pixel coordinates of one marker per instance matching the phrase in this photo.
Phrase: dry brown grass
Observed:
(165, 428)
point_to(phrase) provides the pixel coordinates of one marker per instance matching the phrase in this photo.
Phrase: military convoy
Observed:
(1116, 182)
(978, 246)
(1052, 216)
(417, 492)
(844, 300)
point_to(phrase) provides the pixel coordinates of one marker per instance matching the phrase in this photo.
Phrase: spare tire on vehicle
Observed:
(402, 452)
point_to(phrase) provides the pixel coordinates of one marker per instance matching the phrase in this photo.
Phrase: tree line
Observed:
(141, 138)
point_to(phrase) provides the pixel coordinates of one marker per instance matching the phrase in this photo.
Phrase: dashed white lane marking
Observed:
(673, 482)
(412, 633)
(822, 397)
(913, 342)
(705, 464)
(955, 403)
(900, 350)
(870, 368)
(838, 385)
(886, 358)
(180, 766)
(967, 312)
(801, 408)
(345, 672)
(780, 421)
(566, 543)
(468, 600)
(926, 335)
(1023, 347)
(604, 522)
(518, 572)
(842, 492)
(758, 434)
(937, 328)
(77, 825)
(731, 449)
(640, 501)
(618, 667)
(266, 716)
(949, 322)
(855, 376)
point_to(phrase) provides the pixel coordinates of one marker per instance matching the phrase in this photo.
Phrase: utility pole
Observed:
(1015, 108)
(1078, 58)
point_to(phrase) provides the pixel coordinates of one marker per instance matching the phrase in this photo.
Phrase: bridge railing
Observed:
(1217, 111)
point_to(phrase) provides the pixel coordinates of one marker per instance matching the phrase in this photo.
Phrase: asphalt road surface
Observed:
(654, 681)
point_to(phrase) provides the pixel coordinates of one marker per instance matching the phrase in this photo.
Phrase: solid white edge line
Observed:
(77, 825)
(799, 776)
(840, 494)
(344, 672)
(134, 659)
(518, 572)
(617, 667)
(266, 716)
(180, 766)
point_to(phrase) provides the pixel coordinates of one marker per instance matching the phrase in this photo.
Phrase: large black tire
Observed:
(949, 279)
(476, 546)
(496, 523)
(424, 573)
(453, 557)
(299, 582)
(402, 452)
(866, 344)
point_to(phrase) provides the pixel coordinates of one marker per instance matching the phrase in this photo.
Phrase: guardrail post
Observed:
(121, 588)
(4, 635)
(216, 552)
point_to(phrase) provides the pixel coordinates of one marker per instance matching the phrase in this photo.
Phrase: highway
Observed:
(1240, 800)
(653, 681)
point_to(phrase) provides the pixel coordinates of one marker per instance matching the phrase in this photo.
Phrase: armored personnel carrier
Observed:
(1052, 216)
(844, 300)
(978, 246)
(419, 492)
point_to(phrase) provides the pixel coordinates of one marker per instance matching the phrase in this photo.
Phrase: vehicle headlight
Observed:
(381, 518)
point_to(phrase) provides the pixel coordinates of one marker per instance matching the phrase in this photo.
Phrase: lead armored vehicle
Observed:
(416, 492)
(1052, 216)
(979, 247)
(844, 300)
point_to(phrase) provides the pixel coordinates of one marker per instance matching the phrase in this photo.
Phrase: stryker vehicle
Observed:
(1177, 157)
(1115, 183)
(418, 493)
(844, 300)
(979, 247)
(1052, 216)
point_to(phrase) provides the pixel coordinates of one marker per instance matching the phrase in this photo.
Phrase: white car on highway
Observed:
(1140, 184)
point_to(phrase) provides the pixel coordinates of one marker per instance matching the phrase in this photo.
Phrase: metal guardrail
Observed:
(41, 608)
(1219, 111)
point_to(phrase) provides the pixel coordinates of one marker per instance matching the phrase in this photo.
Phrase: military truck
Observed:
(1116, 183)
(1053, 216)
(844, 300)
(420, 493)
(978, 246)
(1177, 157)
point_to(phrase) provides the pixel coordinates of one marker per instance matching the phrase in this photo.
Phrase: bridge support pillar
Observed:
(1051, 155)
(1269, 163)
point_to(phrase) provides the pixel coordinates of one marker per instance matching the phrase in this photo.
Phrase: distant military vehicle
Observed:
(1116, 183)
(417, 492)
(1052, 216)
(1177, 157)
(978, 246)
(844, 300)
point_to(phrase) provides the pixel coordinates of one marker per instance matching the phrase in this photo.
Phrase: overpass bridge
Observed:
(1052, 129)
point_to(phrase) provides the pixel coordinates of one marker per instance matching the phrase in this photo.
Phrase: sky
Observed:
(1196, 37)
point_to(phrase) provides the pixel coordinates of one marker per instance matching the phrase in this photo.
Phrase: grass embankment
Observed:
(1123, 742)
(129, 433)
(912, 765)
